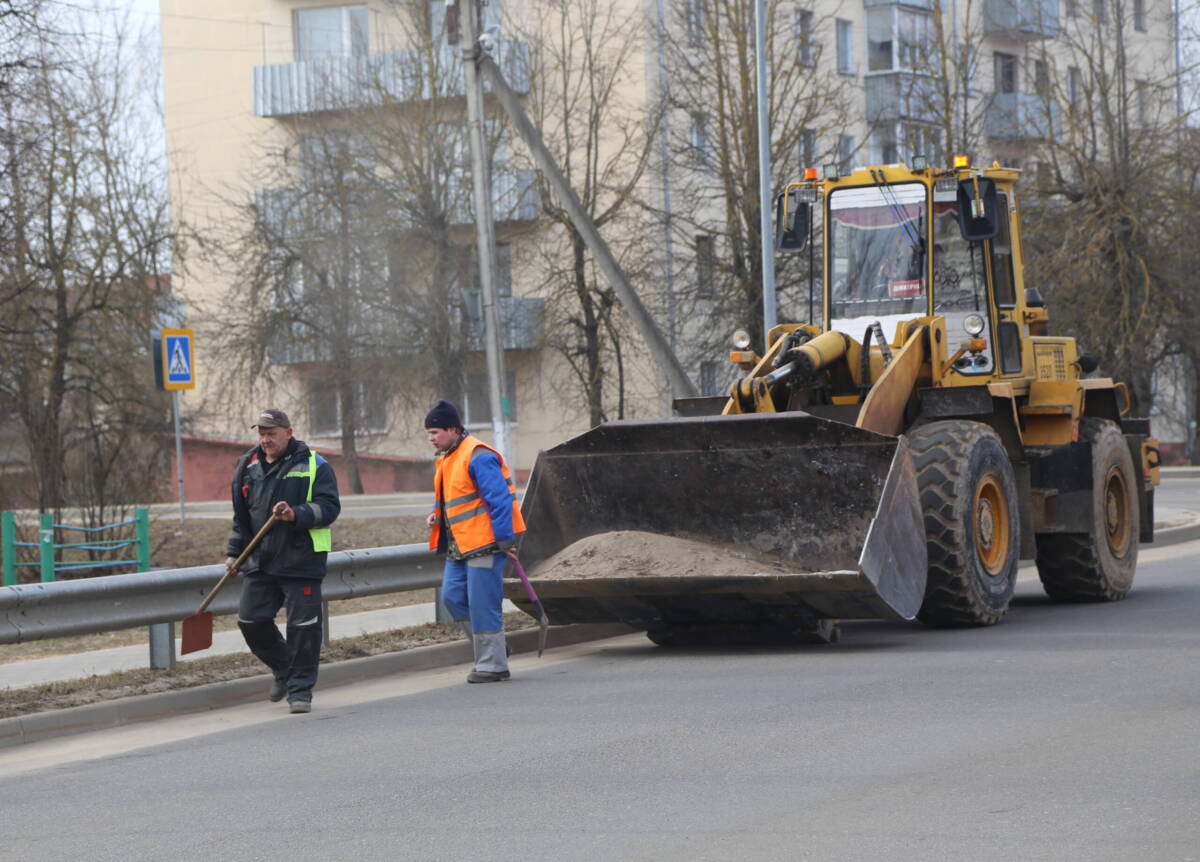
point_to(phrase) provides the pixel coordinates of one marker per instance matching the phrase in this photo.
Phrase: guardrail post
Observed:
(46, 545)
(8, 546)
(162, 646)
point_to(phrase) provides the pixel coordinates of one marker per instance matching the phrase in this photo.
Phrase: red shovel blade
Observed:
(197, 633)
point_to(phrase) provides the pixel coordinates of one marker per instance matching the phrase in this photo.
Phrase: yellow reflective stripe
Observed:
(467, 515)
(322, 537)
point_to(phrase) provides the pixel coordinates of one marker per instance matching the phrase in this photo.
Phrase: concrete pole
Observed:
(764, 173)
(485, 229)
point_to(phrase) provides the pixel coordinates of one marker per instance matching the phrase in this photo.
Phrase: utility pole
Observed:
(764, 174)
(485, 229)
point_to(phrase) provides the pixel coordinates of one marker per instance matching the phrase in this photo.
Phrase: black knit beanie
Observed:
(443, 415)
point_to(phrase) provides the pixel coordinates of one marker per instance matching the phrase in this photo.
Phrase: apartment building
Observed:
(247, 81)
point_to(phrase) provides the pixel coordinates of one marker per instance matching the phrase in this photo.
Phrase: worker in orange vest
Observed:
(475, 523)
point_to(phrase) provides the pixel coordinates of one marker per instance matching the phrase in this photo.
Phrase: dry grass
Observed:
(95, 689)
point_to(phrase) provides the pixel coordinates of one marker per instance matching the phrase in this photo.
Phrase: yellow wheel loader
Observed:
(892, 458)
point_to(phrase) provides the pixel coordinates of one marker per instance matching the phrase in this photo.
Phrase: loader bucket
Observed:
(817, 520)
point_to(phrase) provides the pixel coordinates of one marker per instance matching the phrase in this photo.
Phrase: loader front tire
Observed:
(1097, 566)
(972, 528)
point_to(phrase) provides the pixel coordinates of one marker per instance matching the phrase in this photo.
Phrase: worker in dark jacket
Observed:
(281, 475)
(475, 523)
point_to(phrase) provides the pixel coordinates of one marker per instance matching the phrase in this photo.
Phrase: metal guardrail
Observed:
(48, 610)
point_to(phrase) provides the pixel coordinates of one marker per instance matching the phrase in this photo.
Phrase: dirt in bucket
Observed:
(632, 553)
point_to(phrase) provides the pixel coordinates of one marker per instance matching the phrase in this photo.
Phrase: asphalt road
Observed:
(1066, 732)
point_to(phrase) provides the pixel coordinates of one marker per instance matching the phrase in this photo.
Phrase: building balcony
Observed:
(291, 213)
(1021, 19)
(520, 322)
(914, 4)
(1020, 116)
(376, 338)
(901, 96)
(347, 83)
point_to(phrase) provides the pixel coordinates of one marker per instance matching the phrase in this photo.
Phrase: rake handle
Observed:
(232, 570)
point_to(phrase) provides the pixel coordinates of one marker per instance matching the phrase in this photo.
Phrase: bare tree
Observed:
(1104, 232)
(85, 236)
(582, 75)
(355, 271)
(710, 60)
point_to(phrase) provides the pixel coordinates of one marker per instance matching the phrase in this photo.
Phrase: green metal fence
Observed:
(48, 563)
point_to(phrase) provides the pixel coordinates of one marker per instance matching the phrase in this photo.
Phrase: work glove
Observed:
(229, 561)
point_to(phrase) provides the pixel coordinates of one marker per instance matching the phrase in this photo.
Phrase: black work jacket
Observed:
(287, 550)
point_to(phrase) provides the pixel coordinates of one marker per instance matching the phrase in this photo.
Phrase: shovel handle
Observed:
(237, 564)
(524, 579)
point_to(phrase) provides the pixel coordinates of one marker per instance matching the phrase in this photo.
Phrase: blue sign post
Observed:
(176, 371)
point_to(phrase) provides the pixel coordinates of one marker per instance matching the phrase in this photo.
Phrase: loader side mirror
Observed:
(977, 216)
(792, 217)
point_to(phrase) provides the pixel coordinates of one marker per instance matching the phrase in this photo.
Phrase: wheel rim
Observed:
(1117, 520)
(992, 525)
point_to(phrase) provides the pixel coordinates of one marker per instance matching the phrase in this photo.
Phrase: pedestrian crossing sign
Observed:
(178, 360)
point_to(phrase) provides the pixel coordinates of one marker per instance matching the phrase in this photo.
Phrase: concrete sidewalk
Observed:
(95, 662)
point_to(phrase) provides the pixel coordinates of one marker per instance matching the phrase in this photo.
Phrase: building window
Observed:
(1072, 9)
(326, 414)
(1006, 73)
(1041, 78)
(502, 275)
(845, 47)
(1101, 12)
(705, 263)
(846, 147)
(1139, 15)
(699, 138)
(709, 381)
(1141, 96)
(880, 39)
(337, 31)
(478, 406)
(808, 149)
(897, 38)
(806, 54)
(694, 16)
(1074, 86)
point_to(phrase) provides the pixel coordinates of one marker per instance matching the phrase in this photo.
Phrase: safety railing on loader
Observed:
(159, 598)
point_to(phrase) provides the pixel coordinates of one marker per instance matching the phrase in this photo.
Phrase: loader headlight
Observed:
(973, 324)
(741, 339)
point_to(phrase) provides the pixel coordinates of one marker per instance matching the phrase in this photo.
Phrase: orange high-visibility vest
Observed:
(459, 503)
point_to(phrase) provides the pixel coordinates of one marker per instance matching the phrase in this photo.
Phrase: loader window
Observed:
(877, 255)
(960, 286)
(1002, 274)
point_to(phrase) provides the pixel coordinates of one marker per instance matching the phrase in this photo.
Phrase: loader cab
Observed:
(911, 245)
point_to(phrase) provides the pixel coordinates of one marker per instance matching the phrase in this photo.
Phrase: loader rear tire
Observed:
(972, 528)
(1097, 566)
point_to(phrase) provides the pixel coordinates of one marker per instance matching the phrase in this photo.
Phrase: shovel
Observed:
(198, 628)
(543, 621)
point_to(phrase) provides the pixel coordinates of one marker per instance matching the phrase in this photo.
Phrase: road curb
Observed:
(1174, 535)
(24, 729)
